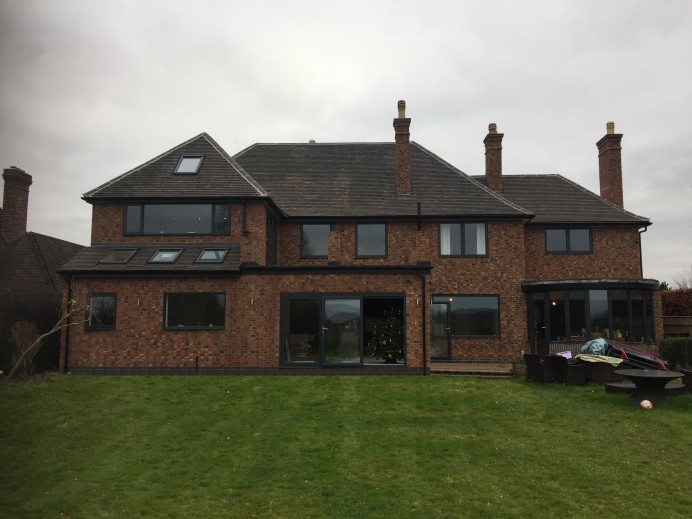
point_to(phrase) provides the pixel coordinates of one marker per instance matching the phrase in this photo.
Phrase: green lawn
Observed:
(90, 447)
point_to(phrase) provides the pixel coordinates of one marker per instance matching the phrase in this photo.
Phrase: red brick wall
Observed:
(251, 337)
(615, 254)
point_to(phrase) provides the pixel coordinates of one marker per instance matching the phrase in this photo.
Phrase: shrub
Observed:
(677, 302)
(677, 351)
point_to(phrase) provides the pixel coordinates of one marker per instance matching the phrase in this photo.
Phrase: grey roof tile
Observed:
(555, 199)
(218, 176)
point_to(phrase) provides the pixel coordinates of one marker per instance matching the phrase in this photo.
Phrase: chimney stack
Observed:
(493, 158)
(610, 165)
(15, 204)
(403, 151)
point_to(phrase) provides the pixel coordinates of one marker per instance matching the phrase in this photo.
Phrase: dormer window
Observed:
(119, 256)
(188, 165)
(165, 256)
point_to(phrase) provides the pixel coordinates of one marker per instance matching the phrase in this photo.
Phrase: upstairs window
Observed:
(119, 256)
(188, 165)
(462, 239)
(314, 240)
(568, 240)
(166, 256)
(371, 240)
(177, 219)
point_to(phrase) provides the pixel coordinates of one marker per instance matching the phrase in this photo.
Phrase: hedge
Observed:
(677, 351)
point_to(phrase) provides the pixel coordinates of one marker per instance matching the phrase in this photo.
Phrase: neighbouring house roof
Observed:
(359, 180)
(218, 177)
(90, 259)
(554, 199)
(28, 268)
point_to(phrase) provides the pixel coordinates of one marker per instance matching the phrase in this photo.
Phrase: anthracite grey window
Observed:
(472, 315)
(177, 219)
(314, 240)
(195, 310)
(101, 312)
(462, 239)
(568, 240)
(371, 240)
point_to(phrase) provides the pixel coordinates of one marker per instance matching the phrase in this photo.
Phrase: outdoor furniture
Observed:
(535, 367)
(602, 372)
(687, 380)
(650, 384)
(566, 372)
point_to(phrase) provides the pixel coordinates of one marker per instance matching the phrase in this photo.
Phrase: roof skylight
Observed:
(119, 256)
(165, 256)
(188, 165)
(211, 256)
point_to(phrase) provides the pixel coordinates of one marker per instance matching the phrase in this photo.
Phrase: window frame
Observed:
(462, 233)
(386, 240)
(302, 241)
(568, 240)
(215, 206)
(447, 299)
(166, 326)
(88, 326)
(177, 171)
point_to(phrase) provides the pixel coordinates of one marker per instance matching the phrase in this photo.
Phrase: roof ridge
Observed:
(231, 161)
(474, 181)
(137, 168)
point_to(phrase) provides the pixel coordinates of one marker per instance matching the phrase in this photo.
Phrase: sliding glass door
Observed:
(342, 331)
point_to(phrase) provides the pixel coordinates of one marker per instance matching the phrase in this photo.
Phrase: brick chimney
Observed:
(15, 203)
(610, 165)
(403, 151)
(493, 158)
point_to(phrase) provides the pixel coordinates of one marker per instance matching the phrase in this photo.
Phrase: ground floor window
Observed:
(578, 314)
(472, 315)
(194, 310)
(342, 330)
(101, 312)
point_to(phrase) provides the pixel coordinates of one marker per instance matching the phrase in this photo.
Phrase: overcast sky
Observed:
(93, 88)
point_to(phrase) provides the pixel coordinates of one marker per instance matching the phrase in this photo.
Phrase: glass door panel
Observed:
(342, 331)
(302, 318)
(439, 344)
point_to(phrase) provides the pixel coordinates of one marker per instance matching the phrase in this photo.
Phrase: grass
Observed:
(78, 446)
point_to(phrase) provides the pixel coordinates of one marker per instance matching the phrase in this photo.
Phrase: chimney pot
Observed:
(492, 128)
(610, 128)
(401, 105)
(311, 141)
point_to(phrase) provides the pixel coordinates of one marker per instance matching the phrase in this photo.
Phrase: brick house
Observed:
(30, 287)
(290, 257)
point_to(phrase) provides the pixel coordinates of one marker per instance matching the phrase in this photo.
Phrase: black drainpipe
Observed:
(423, 303)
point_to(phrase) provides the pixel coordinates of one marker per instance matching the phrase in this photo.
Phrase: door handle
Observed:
(324, 329)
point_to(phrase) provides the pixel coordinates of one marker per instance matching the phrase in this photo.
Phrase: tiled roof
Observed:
(555, 199)
(359, 180)
(218, 176)
(89, 259)
(28, 267)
